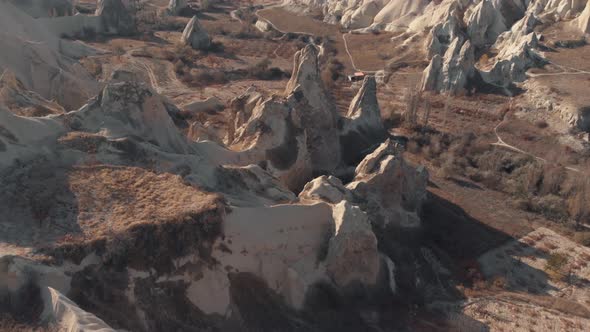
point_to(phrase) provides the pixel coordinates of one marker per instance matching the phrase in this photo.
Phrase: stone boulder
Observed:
(362, 127)
(392, 191)
(115, 17)
(195, 36)
(353, 258)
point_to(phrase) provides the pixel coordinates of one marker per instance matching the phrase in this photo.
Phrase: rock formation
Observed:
(115, 17)
(195, 36)
(314, 110)
(45, 8)
(363, 127)
(271, 135)
(325, 188)
(352, 252)
(127, 224)
(381, 170)
(451, 72)
(130, 109)
(47, 67)
(583, 21)
(175, 7)
(485, 24)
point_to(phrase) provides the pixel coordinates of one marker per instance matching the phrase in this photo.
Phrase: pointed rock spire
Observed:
(363, 127)
(195, 35)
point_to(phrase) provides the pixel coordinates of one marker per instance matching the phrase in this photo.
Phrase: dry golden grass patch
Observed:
(112, 199)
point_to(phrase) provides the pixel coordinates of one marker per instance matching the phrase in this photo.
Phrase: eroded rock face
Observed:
(195, 36)
(126, 109)
(22, 101)
(363, 127)
(392, 191)
(583, 21)
(45, 8)
(313, 110)
(271, 135)
(485, 24)
(115, 17)
(47, 67)
(451, 72)
(175, 7)
(352, 252)
(325, 188)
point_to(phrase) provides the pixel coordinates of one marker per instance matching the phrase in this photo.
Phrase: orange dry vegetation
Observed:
(111, 199)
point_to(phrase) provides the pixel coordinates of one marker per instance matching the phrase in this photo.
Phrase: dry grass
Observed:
(111, 199)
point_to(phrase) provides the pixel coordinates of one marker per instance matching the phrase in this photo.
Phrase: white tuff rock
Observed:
(195, 36)
(393, 192)
(325, 188)
(352, 251)
(175, 7)
(363, 127)
(115, 17)
(313, 110)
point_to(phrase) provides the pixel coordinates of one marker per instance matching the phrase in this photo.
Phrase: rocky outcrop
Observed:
(485, 24)
(45, 8)
(313, 110)
(582, 23)
(375, 177)
(325, 188)
(46, 67)
(130, 109)
(511, 64)
(115, 17)
(195, 36)
(22, 101)
(452, 72)
(67, 315)
(443, 34)
(272, 136)
(176, 7)
(23, 138)
(362, 127)
(353, 257)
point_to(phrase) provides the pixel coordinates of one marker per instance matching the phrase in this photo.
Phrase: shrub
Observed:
(499, 282)
(260, 69)
(556, 265)
(541, 124)
(578, 202)
(551, 206)
(583, 238)
(553, 178)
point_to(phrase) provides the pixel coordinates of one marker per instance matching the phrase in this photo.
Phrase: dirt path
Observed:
(566, 71)
(502, 143)
(350, 57)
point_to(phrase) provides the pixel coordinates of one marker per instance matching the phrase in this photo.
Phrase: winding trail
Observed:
(502, 143)
(566, 71)
(350, 57)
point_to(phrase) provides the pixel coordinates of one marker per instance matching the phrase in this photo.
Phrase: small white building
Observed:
(358, 76)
